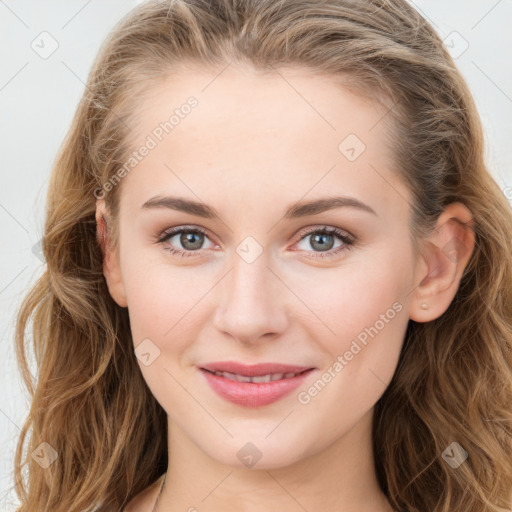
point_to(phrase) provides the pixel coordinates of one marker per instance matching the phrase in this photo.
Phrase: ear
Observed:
(444, 256)
(111, 263)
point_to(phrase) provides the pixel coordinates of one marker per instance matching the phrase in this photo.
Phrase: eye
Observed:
(323, 240)
(190, 238)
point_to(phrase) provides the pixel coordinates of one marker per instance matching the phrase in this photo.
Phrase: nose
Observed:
(253, 302)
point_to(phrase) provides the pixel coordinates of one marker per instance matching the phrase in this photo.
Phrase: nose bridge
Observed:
(251, 299)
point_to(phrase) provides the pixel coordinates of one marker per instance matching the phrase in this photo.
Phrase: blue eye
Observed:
(323, 240)
(193, 236)
(192, 240)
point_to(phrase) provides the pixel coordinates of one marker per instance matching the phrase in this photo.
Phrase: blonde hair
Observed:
(453, 381)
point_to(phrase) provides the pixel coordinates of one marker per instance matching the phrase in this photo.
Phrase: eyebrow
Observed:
(297, 210)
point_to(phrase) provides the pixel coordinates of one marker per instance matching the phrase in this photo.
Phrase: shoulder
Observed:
(144, 501)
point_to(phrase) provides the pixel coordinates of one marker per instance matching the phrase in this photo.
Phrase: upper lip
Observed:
(253, 370)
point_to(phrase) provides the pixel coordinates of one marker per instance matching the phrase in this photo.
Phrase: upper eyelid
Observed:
(331, 230)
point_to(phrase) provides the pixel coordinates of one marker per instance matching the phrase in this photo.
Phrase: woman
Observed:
(279, 274)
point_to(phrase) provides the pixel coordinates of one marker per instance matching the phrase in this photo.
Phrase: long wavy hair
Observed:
(453, 382)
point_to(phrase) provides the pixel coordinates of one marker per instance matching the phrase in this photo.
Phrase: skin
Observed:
(253, 146)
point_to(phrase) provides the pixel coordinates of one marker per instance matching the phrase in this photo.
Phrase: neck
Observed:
(338, 477)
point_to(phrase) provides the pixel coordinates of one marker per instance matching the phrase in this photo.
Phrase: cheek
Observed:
(352, 296)
(162, 298)
(151, 292)
(364, 309)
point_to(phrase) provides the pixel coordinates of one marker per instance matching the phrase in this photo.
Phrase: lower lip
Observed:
(254, 394)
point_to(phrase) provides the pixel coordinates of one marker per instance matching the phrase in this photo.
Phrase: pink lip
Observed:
(253, 394)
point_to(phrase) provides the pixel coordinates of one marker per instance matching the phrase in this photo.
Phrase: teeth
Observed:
(262, 378)
(257, 379)
(242, 378)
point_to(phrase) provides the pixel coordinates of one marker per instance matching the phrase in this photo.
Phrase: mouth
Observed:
(254, 385)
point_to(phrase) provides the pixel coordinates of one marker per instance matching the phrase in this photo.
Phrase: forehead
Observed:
(241, 100)
(287, 129)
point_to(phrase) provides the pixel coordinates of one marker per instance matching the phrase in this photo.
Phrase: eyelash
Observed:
(348, 241)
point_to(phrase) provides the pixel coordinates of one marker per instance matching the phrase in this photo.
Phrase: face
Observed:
(259, 282)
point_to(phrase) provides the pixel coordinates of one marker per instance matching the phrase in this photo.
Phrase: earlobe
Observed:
(444, 258)
(111, 264)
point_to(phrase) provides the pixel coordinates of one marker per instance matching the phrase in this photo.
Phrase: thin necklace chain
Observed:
(159, 493)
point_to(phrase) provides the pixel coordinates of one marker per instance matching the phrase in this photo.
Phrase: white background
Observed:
(38, 98)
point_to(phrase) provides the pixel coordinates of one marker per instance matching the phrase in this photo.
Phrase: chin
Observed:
(256, 454)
